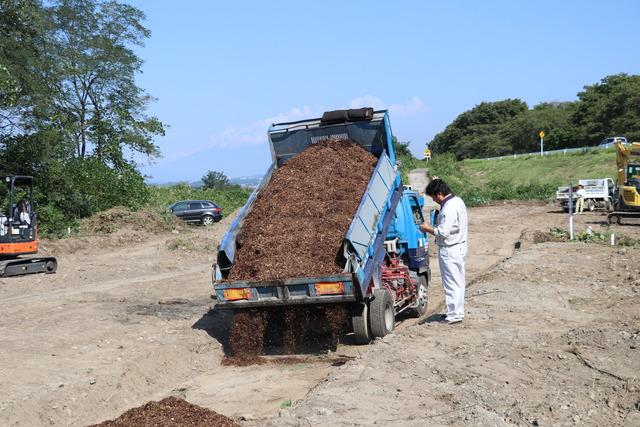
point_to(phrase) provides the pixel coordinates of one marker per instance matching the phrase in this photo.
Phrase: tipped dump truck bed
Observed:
(372, 217)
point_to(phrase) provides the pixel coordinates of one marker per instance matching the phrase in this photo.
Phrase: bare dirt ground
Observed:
(550, 337)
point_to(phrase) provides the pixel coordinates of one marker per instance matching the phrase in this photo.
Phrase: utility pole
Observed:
(570, 211)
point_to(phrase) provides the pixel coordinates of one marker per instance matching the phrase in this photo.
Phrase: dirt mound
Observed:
(115, 227)
(114, 219)
(298, 222)
(170, 412)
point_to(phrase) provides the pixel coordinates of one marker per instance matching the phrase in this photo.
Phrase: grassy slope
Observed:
(554, 169)
(531, 177)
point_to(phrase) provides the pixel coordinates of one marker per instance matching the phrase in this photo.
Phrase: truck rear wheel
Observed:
(360, 323)
(381, 313)
(421, 309)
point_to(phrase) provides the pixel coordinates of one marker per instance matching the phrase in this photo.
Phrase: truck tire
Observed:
(421, 309)
(591, 205)
(360, 323)
(382, 316)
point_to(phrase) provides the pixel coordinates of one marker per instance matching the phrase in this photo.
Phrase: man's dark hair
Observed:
(437, 186)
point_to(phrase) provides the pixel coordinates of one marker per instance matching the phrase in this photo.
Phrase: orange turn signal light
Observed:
(330, 288)
(236, 294)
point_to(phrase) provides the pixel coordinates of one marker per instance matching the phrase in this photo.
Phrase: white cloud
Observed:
(256, 132)
(410, 108)
(251, 134)
(368, 101)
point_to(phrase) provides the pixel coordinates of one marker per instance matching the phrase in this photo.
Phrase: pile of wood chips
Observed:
(298, 223)
(170, 412)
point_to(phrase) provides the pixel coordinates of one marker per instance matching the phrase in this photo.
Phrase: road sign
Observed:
(541, 134)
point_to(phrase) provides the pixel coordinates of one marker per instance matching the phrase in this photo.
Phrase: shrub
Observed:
(229, 198)
(82, 187)
(52, 222)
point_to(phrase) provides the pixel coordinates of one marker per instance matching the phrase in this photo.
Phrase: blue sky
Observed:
(224, 71)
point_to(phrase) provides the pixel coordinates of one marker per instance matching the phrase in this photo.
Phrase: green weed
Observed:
(180, 243)
(286, 404)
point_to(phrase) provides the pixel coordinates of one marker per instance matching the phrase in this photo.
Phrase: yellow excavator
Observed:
(627, 202)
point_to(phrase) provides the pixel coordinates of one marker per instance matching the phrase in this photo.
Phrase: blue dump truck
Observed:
(386, 265)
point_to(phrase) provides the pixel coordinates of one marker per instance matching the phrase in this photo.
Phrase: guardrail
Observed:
(563, 151)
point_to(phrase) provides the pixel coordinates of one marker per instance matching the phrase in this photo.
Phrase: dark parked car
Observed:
(203, 211)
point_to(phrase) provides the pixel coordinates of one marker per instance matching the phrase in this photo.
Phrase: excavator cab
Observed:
(628, 185)
(633, 176)
(17, 218)
(19, 229)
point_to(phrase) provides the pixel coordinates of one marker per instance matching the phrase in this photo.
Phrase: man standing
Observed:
(450, 232)
(581, 194)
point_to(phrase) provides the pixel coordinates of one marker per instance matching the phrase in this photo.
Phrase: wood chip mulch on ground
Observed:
(169, 412)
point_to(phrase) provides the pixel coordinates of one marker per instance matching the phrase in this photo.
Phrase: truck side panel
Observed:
(227, 247)
(372, 219)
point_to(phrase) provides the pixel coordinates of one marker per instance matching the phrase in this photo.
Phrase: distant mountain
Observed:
(251, 181)
(195, 184)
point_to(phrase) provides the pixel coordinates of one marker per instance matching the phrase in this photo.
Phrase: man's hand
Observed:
(426, 228)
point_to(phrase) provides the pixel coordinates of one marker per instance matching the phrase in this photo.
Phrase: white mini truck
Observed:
(599, 194)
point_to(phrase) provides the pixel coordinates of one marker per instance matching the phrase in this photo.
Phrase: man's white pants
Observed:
(451, 260)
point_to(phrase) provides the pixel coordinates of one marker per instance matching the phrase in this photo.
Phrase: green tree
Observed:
(71, 113)
(24, 65)
(520, 134)
(609, 108)
(101, 109)
(474, 132)
(402, 149)
(215, 180)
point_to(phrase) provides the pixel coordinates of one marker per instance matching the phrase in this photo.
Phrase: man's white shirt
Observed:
(451, 227)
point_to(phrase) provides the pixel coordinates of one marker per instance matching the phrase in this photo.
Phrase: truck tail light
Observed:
(236, 294)
(330, 288)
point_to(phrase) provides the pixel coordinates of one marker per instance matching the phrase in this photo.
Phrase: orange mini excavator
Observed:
(19, 230)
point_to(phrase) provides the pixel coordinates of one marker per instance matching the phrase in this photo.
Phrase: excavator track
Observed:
(617, 217)
(22, 266)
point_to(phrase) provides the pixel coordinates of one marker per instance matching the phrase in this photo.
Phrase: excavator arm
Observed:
(624, 153)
